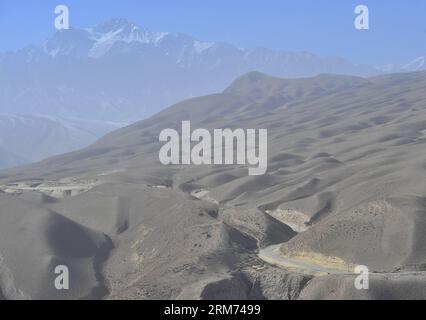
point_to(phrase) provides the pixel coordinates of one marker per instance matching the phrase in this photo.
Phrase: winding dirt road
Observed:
(272, 255)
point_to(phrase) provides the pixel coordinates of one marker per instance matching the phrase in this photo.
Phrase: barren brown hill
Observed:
(345, 186)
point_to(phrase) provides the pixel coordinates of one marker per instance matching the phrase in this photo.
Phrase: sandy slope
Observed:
(346, 152)
(311, 266)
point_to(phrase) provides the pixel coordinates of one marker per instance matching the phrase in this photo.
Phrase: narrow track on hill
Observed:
(272, 255)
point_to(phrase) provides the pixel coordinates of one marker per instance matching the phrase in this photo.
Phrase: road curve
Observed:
(272, 255)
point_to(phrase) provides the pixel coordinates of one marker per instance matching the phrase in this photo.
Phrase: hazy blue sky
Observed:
(397, 28)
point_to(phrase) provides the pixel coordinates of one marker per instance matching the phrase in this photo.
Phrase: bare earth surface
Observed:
(345, 186)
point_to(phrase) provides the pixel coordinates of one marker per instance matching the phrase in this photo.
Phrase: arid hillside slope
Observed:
(345, 186)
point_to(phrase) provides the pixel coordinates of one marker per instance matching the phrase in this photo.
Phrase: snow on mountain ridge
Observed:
(416, 64)
(97, 41)
(117, 70)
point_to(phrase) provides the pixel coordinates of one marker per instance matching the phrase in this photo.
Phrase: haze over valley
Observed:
(117, 73)
(212, 150)
(344, 187)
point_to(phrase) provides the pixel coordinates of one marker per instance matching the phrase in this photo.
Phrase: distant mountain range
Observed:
(118, 72)
(30, 138)
(417, 64)
(345, 187)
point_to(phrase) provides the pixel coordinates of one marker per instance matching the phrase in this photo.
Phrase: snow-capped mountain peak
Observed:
(114, 25)
(97, 41)
(107, 34)
(415, 65)
(123, 30)
(72, 42)
(137, 72)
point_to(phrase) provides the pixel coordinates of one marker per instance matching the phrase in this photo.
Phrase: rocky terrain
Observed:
(65, 93)
(345, 186)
